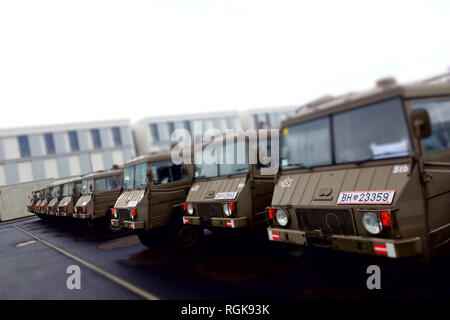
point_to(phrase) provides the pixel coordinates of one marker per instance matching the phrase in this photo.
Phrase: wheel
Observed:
(182, 236)
(186, 237)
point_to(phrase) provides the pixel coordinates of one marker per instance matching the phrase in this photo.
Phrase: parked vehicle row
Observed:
(367, 173)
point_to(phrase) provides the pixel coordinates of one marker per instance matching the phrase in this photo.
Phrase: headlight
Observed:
(372, 223)
(226, 209)
(282, 217)
(190, 209)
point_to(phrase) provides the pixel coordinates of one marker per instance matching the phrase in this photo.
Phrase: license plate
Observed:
(366, 197)
(226, 195)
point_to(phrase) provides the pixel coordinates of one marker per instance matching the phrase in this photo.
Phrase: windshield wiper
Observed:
(299, 165)
(381, 156)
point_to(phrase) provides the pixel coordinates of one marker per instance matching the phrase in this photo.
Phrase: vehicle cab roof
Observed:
(330, 105)
(148, 158)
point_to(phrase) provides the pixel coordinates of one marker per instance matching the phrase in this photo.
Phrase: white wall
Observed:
(74, 165)
(11, 148)
(51, 168)
(97, 161)
(25, 171)
(118, 157)
(2, 176)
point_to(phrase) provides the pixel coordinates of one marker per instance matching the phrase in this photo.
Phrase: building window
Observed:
(24, 146)
(154, 132)
(116, 136)
(49, 143)
(97, 143)
(73, 140)
(187, 125)
(171, 127)
(230, 123)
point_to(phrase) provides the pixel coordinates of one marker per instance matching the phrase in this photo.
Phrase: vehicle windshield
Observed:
(55, 192)
(87, 186)
(141, 176)
(128, 178)
(68, 189)
(372, 132)
(234, 160)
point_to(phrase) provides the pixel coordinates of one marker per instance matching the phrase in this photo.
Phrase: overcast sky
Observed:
(69, 61)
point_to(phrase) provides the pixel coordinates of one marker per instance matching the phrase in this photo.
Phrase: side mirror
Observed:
(421, 122)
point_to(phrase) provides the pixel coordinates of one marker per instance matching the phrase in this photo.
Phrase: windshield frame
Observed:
(219, 165)
(133, 176)
(88, 182)
(403, 103)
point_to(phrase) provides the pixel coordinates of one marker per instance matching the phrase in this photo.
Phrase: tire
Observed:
(182, 236)
(186, 237)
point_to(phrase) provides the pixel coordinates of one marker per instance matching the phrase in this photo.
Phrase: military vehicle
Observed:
(37, 204)
(367, 173)
(229, 194)
(33, 199)
(56, 196)
(151, 203)
(71, 193)
(43, 206)
(99, 192)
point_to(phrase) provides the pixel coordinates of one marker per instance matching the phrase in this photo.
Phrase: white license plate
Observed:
(366, 197)
(226, 195)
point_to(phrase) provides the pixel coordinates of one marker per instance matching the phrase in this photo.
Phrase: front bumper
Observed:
(391, 248)
(135, 225)
(80, 215)
(216, 222)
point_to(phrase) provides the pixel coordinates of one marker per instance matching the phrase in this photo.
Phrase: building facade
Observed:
(59, 151)
(153, 134)
(265, 117)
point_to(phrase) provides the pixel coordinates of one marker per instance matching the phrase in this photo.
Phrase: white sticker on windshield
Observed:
(241, 185)
(226, 195)
(195, 188)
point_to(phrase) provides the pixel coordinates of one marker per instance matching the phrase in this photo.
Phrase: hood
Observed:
(84, 200)
(216, 190)
(65, 201)
(129, 199)
(53, 202)
(324, 188)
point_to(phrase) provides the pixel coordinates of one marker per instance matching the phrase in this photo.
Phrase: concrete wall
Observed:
(15, 198)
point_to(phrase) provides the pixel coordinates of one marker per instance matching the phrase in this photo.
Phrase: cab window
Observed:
(439, 112)
(107, 184)
(167, 172)
(376, 131)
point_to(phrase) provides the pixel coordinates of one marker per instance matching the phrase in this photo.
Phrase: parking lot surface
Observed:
(35, 255)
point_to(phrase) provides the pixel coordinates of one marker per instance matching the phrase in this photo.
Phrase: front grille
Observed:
(327, 221)
(123, 214)
(209, 210)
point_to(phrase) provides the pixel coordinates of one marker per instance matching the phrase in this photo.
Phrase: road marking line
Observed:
(140, 292)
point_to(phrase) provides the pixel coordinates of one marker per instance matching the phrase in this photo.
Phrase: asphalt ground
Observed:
(35, 255)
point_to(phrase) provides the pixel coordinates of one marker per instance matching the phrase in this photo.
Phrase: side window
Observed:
(78, 188)
(439, 112)
(167, 172)
(100, 185)
(112, 183)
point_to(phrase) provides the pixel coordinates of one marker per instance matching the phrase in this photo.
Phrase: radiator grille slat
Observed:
(209, 210)
(327, 221)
